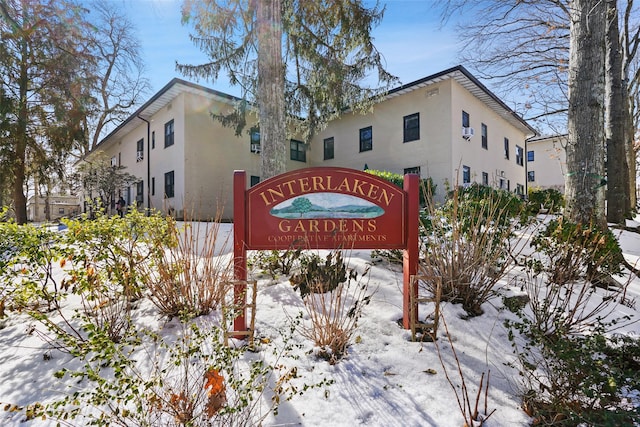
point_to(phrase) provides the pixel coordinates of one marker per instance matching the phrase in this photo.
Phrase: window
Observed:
(153, 139)
(411, 127)
(61, 211)
(328, 148)
(503, 183)
(530, 156)
(466, 122)
(298, 151)
(506, 148)
(254, 180)
(415, 170)
(153, 186)
(466, 175)
(254, 139)
(485, 178)
(520, 190)
(169, 184)
(485, 136)
(366, 139)
(519, 155)
(140, 150)
(114, 161)
(168, 134)
(531, 176)
(140, 193)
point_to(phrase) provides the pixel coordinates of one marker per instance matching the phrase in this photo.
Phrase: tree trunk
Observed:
(19, 164)
(585, 145)
(271, 88)
(618, 188)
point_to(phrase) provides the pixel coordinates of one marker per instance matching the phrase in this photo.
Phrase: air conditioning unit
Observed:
(467, 133)
(255, 148)
(139, 156)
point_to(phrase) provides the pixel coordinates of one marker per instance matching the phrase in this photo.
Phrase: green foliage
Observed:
(427, 187)
(327, 46)
(114, 248)
(27, 255)
(579, 379)
(549, 198)
(577, 250)
(318, 275)
(146, 379)
(276, 262)
(485, 201)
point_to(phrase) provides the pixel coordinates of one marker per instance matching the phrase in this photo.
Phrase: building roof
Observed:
(473, 85)
(158, 101)
(457, 73)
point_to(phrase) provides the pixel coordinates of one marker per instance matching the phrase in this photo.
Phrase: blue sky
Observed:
(409, 37)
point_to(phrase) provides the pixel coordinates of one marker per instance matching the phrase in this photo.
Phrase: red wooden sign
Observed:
(325, 208)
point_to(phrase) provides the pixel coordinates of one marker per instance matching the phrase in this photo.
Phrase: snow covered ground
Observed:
(385, 380)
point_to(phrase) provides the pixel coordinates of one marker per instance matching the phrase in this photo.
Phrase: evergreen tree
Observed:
(293, 59)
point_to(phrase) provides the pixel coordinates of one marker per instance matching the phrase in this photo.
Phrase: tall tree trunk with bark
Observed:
(618, 185)
(271, 88)
(585, 145)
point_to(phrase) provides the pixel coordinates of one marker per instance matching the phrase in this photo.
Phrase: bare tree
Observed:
(522, 46)
(616, 127)
(119, 82)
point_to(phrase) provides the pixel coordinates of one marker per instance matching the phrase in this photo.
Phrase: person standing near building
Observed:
(121, 206)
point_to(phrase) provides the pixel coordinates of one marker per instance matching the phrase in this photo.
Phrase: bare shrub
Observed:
(190, 277)
(467, 243)
(468, 405)
(334, 307)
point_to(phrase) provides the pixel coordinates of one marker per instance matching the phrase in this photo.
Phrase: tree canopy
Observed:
(325, 55)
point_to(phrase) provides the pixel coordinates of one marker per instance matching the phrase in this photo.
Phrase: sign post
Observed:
(325, 208)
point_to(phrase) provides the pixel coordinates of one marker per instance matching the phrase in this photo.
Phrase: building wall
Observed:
(205, 154)
(431, 152)
(441, 152)
(549, 164)
(59, 207)
(470, 152)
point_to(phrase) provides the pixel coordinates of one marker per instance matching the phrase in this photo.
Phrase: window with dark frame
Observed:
(153, 139)
(520, 189)
(328, 148)
(153, 186)
(466, 175)
(415, 170)
(254, 140)
(298, 151)
(531, 155)
(466, 122)
(366, 139)
(531, 176)
(485, 178)
(519, 155)
(140, 193)
(169, 184)
(169, 134)
(411, 127)
(506, 148)
(140, 150)
(485, 136)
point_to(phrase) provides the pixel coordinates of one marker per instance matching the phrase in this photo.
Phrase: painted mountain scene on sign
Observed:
(326, 205)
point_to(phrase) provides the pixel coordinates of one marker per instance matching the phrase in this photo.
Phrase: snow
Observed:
(385, 379)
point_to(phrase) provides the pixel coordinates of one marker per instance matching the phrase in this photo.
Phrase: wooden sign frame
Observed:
(325, 208)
